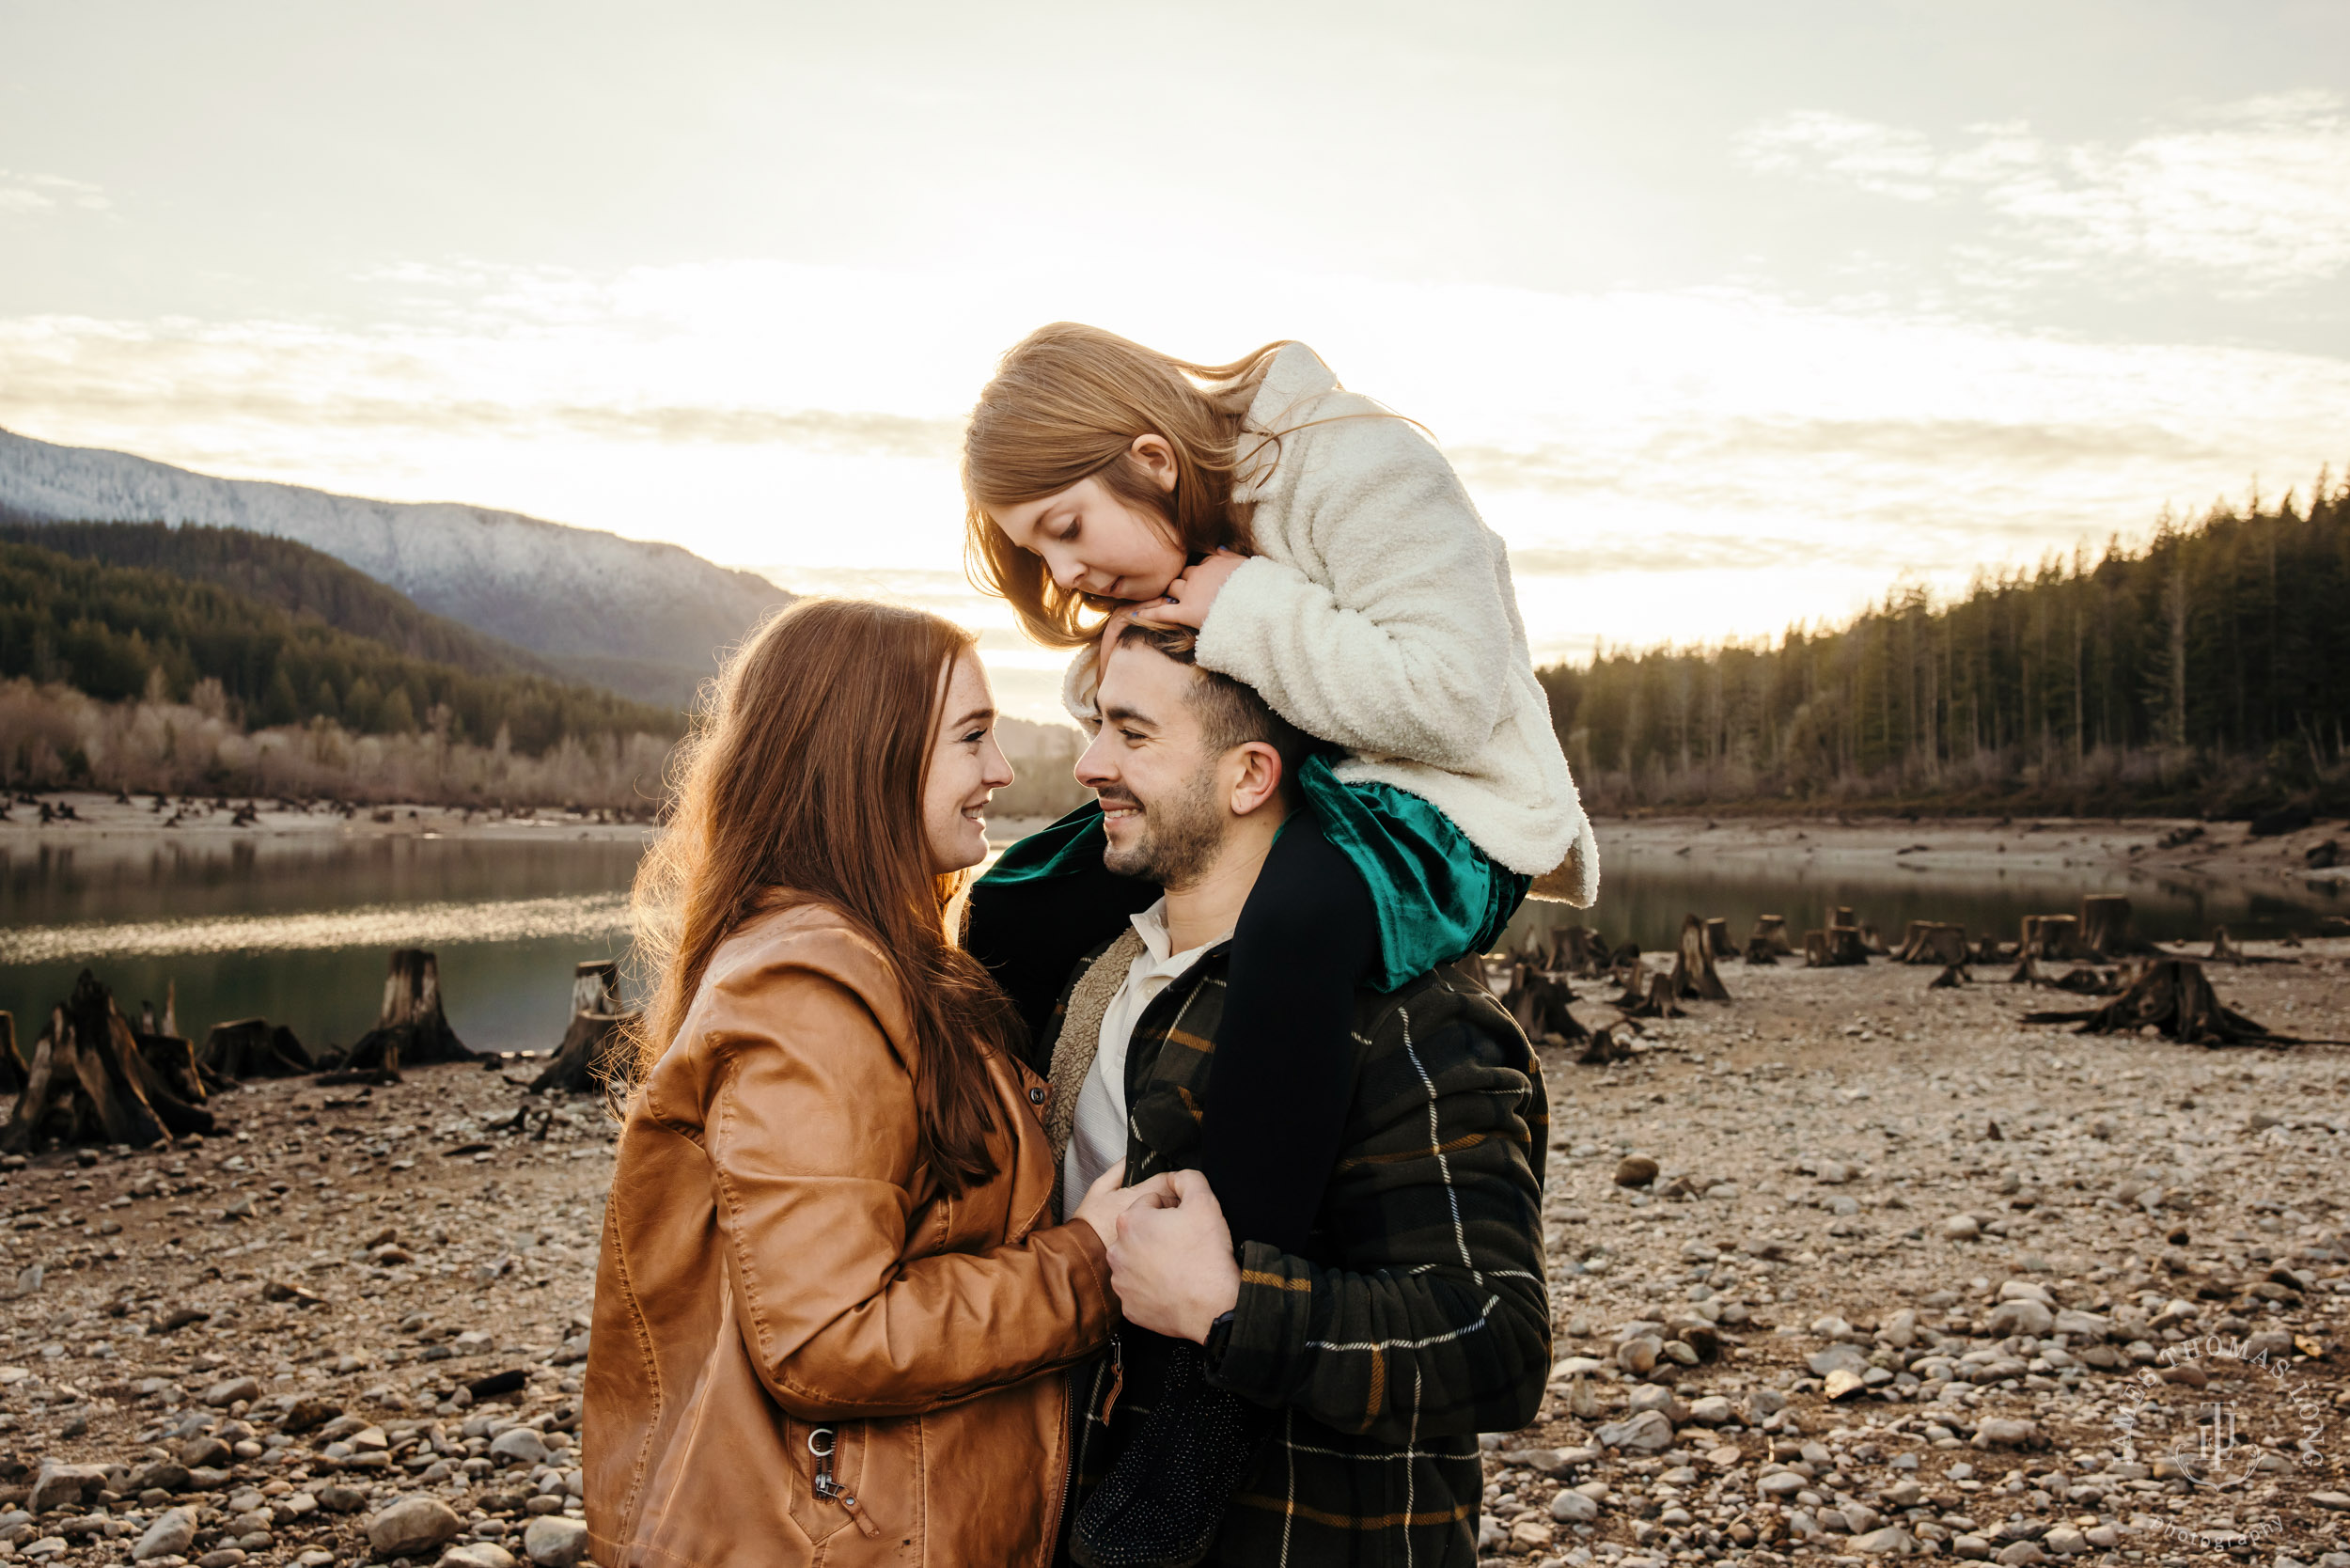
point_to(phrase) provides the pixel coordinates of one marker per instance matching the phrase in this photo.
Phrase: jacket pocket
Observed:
(827, 1473)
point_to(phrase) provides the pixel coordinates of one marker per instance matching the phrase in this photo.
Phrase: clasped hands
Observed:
(1170, 1251)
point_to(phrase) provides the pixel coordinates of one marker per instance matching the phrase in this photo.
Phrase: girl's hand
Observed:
(1191, 596)
(1110, 628)
(1104, 1200)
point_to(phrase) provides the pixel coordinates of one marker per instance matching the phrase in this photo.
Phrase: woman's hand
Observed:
(1105, 1200)
(1171, 1264)
(1191, 596)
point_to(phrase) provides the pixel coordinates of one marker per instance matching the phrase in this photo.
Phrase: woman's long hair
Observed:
(801, 782)
(1066, 405)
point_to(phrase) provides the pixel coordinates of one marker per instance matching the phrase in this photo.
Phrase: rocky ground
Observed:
(1847, 1269)
(1900, 1275)
(349, 1327)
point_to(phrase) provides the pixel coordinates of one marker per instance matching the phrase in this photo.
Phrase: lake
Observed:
(296, 927)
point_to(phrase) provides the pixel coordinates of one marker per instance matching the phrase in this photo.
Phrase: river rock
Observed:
(1843, 1383)
(1573, 1508)
(412, 1525)
(2006, 1432)
(171, 1536)
(61, 1485)
(1636, 1170)
(1962, 1227)
(228, 1390)
(1648, 1432)
(553, 1541)
(476, 1554)
(2021, 1315)
(1891, 1541)
(518, 1445)
(1837, 1359)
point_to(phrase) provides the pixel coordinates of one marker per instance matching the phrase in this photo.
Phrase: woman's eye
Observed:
(975, 737)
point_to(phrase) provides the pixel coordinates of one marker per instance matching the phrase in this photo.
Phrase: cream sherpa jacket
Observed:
(1378, 614)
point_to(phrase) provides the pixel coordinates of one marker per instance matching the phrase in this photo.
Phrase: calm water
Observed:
(1644, 894)
(298, 931)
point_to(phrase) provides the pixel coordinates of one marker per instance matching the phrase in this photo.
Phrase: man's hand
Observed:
(1191, 596)
(1171, 1264)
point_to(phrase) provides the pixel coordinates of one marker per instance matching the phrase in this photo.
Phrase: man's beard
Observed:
(1180, 837)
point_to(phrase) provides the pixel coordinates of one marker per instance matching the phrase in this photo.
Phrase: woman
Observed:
(832, 1294)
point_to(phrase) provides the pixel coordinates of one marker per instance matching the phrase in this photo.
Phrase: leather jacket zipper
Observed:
(830, 1489)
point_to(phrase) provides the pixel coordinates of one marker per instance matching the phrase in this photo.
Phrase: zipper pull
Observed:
(831, 1490)
(1118, 1377)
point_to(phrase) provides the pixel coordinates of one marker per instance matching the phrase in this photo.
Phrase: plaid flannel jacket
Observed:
(1419, 1317)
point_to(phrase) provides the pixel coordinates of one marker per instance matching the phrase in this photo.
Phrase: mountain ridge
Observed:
(647, 620)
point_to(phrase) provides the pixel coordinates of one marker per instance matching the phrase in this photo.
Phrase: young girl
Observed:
(1328, 557)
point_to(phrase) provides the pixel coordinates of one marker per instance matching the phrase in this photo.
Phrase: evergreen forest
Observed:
(2206, 671)
(119, 632)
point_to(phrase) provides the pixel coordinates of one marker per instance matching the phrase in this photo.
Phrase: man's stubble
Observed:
(1181, 835)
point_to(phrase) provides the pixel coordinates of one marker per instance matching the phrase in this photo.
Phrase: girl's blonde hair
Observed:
(1066, 405)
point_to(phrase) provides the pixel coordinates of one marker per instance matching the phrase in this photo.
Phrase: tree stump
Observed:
(252, 1048)
(1693, 972)
(2054, 937)
(1761, 951)
(2223, 950)
(1654, 1002)
(1934, 942)
(2173, 995)
(1770, 931)
(596, 1055)
(1717, 937)
(1603, 1048)
(2026, 973)
(1952, 976)
(173, 1059)
(13, 1069)
(90, 1083)
(410, 1030)
(2105, 929)
(1837, 948)
(1871, 942)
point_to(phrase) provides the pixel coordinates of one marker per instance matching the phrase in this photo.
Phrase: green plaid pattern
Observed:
(1419, 1317)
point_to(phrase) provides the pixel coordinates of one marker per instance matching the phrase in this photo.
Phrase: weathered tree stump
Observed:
(1760, 951)
(1717, 937)
(2172, 996)
(1871, 942)
(595, 1055)
(411, 1030)
(90, 1083)
(13, 1069)
(1952, 976)
(253, 1048)
(1837, 948)
(173, 1059)
(2054, 937)
(1602, 1048)
(1934, 942)
(2025, 972)
(2223, 950)
(1693, 972)
(2083, 981)
(2105, 930)
(1653, 1000)
(1770, 933)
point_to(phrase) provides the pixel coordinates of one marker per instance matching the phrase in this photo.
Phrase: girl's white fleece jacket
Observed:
(1377, 614)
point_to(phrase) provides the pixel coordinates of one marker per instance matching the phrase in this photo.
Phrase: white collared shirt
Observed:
(1098, 1140)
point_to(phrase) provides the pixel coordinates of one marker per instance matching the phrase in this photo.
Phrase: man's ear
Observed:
(1258, 778)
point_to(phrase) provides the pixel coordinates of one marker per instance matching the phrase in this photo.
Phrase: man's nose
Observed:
(1093, 764)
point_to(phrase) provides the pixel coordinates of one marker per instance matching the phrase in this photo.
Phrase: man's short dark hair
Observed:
(1230, 711)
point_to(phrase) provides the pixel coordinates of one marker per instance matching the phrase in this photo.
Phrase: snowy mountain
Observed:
(644, 619)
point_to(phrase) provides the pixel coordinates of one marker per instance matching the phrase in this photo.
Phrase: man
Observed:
(1416, 1317)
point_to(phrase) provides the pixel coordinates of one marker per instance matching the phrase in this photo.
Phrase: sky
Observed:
(1731, 315)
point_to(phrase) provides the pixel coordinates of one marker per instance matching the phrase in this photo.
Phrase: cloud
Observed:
(24, 194)
(2256, 192)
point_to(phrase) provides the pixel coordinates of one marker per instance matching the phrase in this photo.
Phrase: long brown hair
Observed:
(801, 782)
(1066, 405)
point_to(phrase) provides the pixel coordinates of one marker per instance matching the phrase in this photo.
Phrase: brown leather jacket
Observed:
(776, 1264)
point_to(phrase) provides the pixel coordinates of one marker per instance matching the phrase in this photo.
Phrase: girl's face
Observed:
(1095, 542)
(966, 766)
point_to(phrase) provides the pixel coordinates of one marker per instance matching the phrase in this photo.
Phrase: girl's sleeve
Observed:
(1402, 649)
